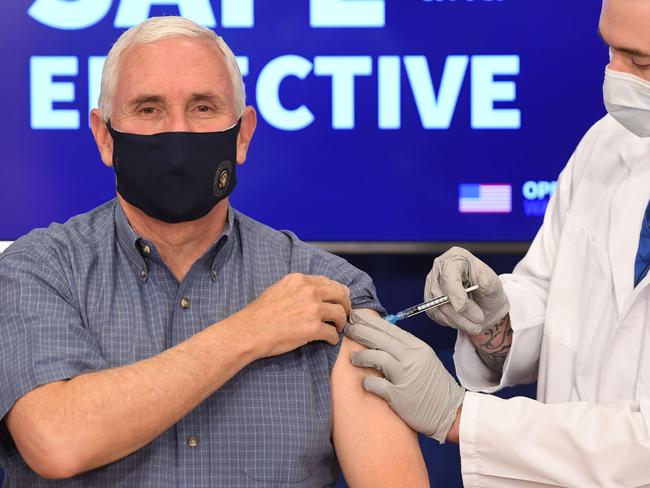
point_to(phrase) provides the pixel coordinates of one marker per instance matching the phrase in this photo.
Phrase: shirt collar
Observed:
(137, 249)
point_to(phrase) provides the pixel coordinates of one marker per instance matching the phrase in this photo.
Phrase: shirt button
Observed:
(146, 250)
(192, 441)
(185, 303)
(143, 273)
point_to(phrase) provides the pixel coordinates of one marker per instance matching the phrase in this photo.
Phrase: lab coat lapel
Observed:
(628, 207)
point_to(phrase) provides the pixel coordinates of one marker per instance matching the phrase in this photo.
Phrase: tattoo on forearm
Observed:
(493, 345)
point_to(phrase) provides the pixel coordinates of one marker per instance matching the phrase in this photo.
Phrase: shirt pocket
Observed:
(290, 440)
(579, 307)
(580, 288)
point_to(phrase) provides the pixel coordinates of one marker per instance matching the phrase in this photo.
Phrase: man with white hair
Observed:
(165, 339)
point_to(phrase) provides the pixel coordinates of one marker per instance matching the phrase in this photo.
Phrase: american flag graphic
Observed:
(484, 198)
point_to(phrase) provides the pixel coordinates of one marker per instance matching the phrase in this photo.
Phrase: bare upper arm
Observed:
(374, 446)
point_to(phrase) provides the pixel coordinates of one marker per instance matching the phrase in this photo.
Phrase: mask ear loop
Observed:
(236, 124)
(112, 132)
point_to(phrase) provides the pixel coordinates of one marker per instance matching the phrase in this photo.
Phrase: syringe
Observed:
(423, 307)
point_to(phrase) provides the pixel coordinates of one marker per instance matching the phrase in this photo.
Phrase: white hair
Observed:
(157, 29)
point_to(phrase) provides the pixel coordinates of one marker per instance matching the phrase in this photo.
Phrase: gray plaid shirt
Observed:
(90, 294)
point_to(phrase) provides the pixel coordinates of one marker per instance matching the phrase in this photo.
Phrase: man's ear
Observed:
(103, 138)
(248, 124)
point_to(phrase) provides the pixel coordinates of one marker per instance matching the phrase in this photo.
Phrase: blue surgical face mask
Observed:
(627, 99)
(175, 176)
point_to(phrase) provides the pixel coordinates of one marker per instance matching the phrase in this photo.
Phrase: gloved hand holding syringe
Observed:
(422, 307)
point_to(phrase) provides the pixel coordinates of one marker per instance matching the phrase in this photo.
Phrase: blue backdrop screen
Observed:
(379, 120)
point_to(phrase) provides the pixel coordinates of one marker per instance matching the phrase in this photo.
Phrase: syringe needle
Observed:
(423, 307)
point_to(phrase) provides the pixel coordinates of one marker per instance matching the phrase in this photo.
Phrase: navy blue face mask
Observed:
(175, 176)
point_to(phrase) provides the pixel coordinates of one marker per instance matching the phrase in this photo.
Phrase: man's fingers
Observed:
(334, 314)
(315, 280)
(379, 360)
(328, 290)
(323, 288)
(329, 334)
(334, 292)
(379, 386)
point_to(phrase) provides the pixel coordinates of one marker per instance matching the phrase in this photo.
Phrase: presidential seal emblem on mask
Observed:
(222, 178)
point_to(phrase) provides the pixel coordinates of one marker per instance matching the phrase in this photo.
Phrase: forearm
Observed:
(493, 345)
(99, 417)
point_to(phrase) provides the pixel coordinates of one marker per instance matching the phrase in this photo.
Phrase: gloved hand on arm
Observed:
(451, 273)
(416, 385)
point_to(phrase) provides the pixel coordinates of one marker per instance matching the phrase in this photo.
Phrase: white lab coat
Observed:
(580, 329)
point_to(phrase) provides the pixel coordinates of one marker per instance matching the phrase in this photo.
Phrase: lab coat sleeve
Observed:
(527, 289)
(521, 442)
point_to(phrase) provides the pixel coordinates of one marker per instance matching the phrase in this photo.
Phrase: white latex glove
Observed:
(451, 273)
(416, 385)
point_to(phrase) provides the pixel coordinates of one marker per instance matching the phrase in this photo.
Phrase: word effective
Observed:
(54, 82)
